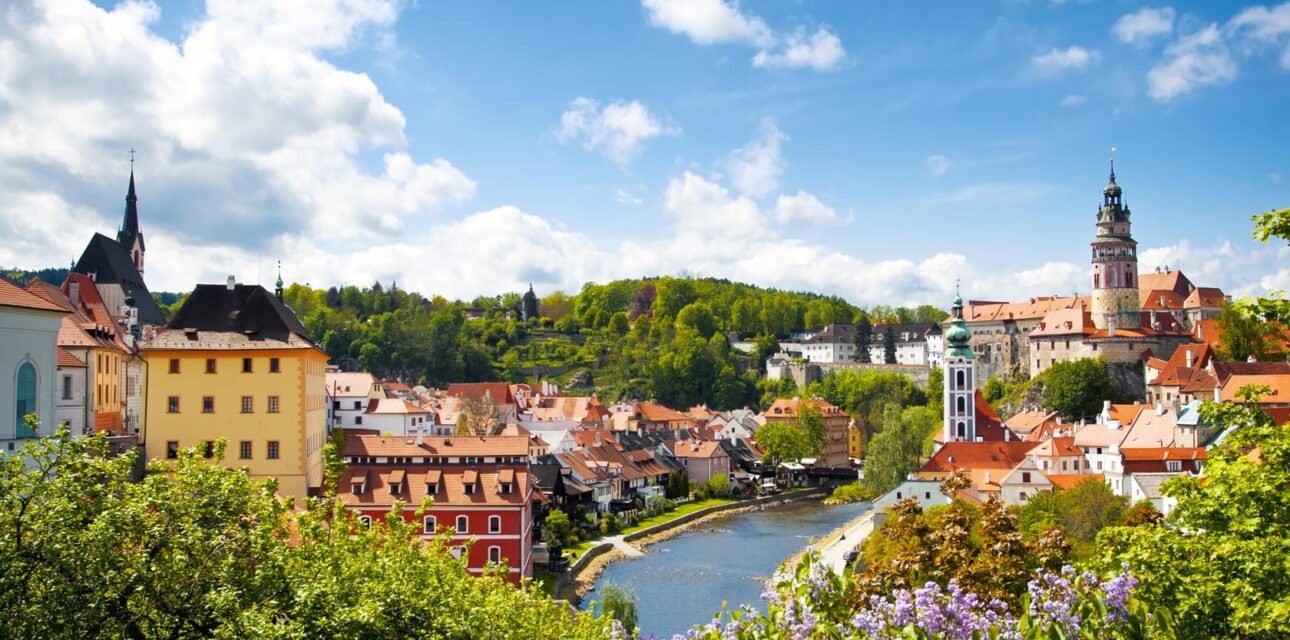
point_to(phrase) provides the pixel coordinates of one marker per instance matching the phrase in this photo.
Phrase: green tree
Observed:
(618, 326)
(1242, 336)
(555, 305)
(557, 530)
(697, 316)
(673, 294)
(745, 317)
(810, 422)
(863, 338)
(619, 603)
(200, 550)
(898, 449)
(1081, 512)
(1077, 388)
(888, 346)
(783, 441)
(529, 305)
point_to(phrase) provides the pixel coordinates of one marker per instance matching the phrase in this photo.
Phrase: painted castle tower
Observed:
(1115, 302)
(960, 379)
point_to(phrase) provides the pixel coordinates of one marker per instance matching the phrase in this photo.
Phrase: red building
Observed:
(482, 490)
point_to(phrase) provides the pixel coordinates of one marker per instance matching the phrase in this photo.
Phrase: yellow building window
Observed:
(273, 453)
(172, 449)
(246, 365)
(244, 450)
(273, 404)
(210, 365)
(174, 365)
(208, 404)
(172, 404)
(275, 365)
(248, 404)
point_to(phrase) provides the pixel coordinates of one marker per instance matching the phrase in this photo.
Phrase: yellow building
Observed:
(855, 443)
(235, 363)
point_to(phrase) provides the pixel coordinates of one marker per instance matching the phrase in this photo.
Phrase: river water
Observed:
(681, 582)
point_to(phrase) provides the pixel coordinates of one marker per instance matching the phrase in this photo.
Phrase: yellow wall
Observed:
(854, 445)
(299, 426)
(108, 370)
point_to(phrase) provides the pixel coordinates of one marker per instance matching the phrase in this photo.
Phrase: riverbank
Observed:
(850, 533)
(582, 576)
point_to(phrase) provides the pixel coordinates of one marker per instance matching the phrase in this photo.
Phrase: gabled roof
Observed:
(68, 361)
(341, 384)
(1210, 297)
(978, 455)
(1027, 421)
(788, 408)
(698, 449)
(986, 311)
(1136, 454)
(111, 264)
(1168, 280)
(1065, 322)
(215, 316)
(436, 446)
(450, 482)
(392, 406)
(12, 295)
(497, 392)
(654, 412)
(1159, 299)
(1057, 448)
(1279, 382)
(1068, 480)
(833, 334)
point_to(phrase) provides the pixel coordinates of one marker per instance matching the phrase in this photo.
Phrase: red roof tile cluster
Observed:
(370, 485)
(498, 392)
(1136, 454)
(436, 446)
(978, 455)
(788, 408)
(12, 295)
(1068, 480)
(1035, 308)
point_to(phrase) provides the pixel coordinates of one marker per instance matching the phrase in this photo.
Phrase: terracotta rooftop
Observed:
(1159, 299)
(788, 408)
(978, 455)
(1169, 280)
(1280, 384)
(1068, 480)
(450, 484)
(1163, 453)
(1033, 309)
(655, 412)
(12, 295)
(497, 392)
(392, 406)
(1205, 297)
(341, 384)
(698, 449)
(436, 446)
(68, 361)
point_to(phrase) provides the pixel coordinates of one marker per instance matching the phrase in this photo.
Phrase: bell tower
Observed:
(1115, 303)
(960, 379)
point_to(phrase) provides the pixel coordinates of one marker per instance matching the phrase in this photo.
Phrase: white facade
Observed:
(69, 399)
(830, 351)
(1022, 483)
(350, 393)
(960, 399)
(28, 371)
(927, 492)
(935, 349)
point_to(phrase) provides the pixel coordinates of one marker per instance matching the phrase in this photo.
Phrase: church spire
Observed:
(277, 288)
(130, 236)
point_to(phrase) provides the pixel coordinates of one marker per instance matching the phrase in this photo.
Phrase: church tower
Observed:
(130, 236)
(1115, 265)
(960, 379)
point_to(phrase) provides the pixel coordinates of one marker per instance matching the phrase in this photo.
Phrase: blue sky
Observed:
(877, 151)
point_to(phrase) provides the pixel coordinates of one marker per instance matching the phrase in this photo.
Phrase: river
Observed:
(681, 582)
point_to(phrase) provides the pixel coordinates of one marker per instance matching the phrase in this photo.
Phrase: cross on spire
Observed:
(132, 158)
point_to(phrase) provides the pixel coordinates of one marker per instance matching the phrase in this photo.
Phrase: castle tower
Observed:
(960, 379)
(131, 236)
(1115, 264)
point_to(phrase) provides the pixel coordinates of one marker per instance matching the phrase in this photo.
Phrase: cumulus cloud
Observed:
(1144, 24)
(708, 21)
(618, 131)
(1196, 60)
(937, 165)
(755, 167)
(803, 207)
(245, 131)
(1057, 60)
(1267, 27)
(1072, 100)
(820, 51)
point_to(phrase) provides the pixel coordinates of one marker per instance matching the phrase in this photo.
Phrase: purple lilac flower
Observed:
(1117, 592)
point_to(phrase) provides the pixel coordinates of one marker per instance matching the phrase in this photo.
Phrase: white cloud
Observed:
(1265, 26)
(245, 132)
(820, 51)
(1072, 100)
(755, 167)
(700, 204)
(1143, 25)
(1057, 60)
(937, 165)
(708, 21)
(803, 207)
(1196, 60)
(622, 196)
(617, 131)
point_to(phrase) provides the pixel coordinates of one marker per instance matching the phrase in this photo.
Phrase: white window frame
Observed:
(463, 524)
(428, 524)
(365, 522)
(494, 519)
(495, 551)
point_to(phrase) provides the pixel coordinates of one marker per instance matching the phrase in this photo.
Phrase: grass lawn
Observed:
(545, 581)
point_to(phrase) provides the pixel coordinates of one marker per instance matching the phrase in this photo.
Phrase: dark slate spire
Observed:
(130, 224)
(277, 289)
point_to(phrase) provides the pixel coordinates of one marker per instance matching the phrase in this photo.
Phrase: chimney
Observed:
(232, 282)
(421, 435)
(74, 293)
(1160, 409)
(987, 476)
(1190, 358)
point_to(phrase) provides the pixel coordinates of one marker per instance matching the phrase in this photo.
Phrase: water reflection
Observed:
(681, 582)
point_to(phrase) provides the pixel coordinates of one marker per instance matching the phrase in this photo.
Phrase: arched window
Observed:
(962, 430)
(961, 405)
(494, 524)
(495, 555)
(960, 379)
(463, 524)
(1097, 280)
(25, 397)
(365, 521)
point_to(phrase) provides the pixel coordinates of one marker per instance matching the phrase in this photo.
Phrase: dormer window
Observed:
(433, 479)
(470, 481)
(505, 480)
(396, 482)
(358, 484)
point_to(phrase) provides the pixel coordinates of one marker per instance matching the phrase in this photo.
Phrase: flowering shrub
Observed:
(816, 603)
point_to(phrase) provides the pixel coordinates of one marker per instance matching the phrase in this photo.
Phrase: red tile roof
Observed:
(985, 311)
(1159, 299)
(1068, 480)
(451, 483)
(12, 295)
(498, 392)
(1172, 280)
(788, 408)
(655, 412)
(1205, 297)
(392, 406)
(436, 446)
(698, 449)
(1163, 453)
(68, 361)
(978, 455)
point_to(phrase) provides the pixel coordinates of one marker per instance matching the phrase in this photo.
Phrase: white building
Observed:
(397, 417)
(913, 341)
(350, 393)
(28, 363)
(927, 492)
(69, 403)
(834, 343)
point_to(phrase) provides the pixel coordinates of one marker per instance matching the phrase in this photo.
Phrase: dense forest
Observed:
(663, 338)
